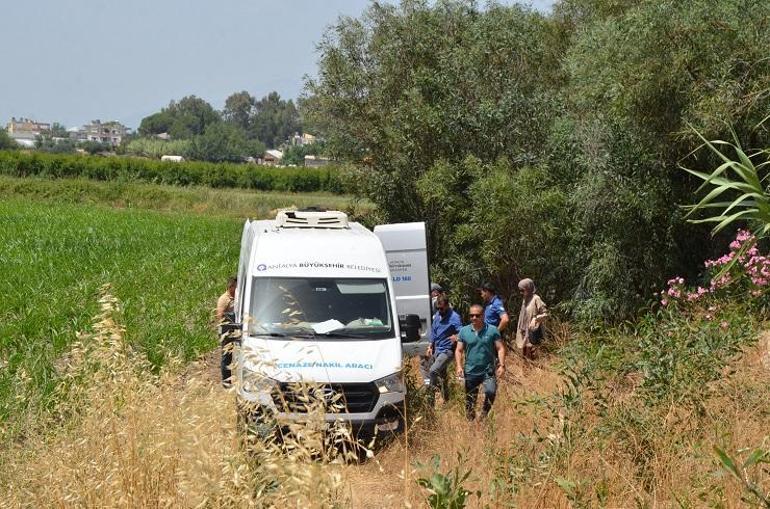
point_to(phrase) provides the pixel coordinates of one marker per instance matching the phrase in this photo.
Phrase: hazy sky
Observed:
(72, 61)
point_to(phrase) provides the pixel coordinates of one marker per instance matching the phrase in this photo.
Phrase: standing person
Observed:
(446, 325)
(476, 348)
(224, 314)
(494, 310)
(435, 290)
(529, 331)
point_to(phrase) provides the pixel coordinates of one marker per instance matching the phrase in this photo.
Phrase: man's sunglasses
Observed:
(475, 315)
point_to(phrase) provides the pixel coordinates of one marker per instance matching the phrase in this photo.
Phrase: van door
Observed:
(406, 250)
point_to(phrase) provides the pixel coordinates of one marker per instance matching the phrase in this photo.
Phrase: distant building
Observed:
(173, 159)
(108, 132)
(272, 157)
(302, 139)
(315, 161)
(25, 131)
(25, 126)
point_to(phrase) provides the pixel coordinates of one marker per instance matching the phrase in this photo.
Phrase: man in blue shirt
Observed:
(446, 325)
(480, 345)
(494, 310)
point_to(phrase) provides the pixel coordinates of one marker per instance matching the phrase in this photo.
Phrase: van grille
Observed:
(353, 397)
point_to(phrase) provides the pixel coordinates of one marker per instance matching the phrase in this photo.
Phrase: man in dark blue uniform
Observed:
(494, 310)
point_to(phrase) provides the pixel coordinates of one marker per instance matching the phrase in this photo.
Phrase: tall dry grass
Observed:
(125, 437)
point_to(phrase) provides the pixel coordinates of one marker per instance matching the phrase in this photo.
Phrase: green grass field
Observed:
(61, 240)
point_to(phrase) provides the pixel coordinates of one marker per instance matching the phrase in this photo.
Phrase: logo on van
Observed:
(261, 267)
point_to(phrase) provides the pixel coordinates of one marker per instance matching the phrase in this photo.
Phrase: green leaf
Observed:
(727, 463)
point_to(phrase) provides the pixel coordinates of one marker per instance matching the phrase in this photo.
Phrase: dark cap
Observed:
(435, 287)
(486, 285)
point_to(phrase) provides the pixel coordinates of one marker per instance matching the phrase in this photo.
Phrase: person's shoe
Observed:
(227, 384)
(470, 416)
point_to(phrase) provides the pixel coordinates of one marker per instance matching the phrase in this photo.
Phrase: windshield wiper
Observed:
(335, 334)
(302, 334)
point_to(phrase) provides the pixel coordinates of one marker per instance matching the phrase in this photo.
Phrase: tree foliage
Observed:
(274, 120)
(6, 142)
(239, 108)
(182, 120)
(545, 145)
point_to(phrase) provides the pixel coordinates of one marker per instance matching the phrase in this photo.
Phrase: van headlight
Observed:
(391, 383)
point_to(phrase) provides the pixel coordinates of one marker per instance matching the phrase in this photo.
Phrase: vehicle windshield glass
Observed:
(341, 308)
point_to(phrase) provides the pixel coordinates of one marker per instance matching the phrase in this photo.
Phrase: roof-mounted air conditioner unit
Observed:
(311, 218)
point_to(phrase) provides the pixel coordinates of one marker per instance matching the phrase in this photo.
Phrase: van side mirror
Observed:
(410, 328)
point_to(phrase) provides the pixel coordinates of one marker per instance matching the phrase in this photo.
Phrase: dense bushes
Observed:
(19, 164)
(546, 145)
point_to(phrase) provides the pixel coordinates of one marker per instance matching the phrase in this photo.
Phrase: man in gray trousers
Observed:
(446, 325)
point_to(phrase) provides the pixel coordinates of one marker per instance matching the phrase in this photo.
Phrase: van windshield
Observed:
(340, 308)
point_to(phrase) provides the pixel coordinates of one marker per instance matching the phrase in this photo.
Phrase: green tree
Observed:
(406, 86)
(59, 131)
(188, 117)
(223, 142)
(156, 123)
(239, 108)
(564, 130)
(6, 142)
(274, 120)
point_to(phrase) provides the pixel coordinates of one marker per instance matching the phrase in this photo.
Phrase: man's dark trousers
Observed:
(472, 384)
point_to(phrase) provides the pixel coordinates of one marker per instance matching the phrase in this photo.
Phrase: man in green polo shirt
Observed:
(476, 347)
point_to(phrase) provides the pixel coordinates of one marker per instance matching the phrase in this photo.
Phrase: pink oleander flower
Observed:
(664, 303)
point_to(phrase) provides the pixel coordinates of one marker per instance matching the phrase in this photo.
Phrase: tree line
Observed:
(546, 145)
(244, 128)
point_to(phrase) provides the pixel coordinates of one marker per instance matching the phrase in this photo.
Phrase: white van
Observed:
(316, 303)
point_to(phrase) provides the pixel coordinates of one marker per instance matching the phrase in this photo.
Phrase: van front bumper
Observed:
(386, 415)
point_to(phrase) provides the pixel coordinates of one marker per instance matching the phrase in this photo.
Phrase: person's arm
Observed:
(503, 321)
(500, 357)
(221, 307)
(456, 325)
(459, 359)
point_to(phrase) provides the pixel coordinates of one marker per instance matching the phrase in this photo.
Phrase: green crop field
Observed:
(61, 240)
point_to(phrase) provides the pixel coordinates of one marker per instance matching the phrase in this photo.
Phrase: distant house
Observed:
(315, 161)
(173, 159)
(111, 132)
(163, 136)
(25, 125)
(272, 157)
(302, 139)
(25, 131)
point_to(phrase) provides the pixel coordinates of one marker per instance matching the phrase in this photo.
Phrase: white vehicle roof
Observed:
(346, 252)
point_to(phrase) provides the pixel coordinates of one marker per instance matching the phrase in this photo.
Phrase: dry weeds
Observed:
(124, 437)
